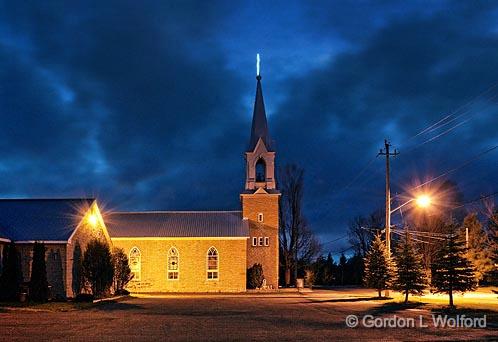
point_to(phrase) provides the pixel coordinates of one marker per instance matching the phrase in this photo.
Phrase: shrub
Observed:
(122, 272)
(84, 298)
(98, 269)
(255, 276)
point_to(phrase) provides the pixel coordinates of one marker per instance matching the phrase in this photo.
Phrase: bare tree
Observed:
(298, 244)
(362, 230)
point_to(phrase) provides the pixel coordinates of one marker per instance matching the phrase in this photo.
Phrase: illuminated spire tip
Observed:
(257, 65)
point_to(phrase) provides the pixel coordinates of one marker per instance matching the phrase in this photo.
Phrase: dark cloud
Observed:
(147, 105)
(409, 74)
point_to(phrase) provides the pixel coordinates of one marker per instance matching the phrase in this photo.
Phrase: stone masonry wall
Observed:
(192, 265)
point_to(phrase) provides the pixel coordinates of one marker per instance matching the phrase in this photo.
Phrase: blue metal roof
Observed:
(41, 219)
(177, 224)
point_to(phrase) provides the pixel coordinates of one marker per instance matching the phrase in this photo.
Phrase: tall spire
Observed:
(259, 124)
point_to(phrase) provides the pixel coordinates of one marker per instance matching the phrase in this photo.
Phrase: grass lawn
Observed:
(319, 315)
(52, 306)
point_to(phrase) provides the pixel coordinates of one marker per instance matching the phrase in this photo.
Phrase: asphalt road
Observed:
(288, 316)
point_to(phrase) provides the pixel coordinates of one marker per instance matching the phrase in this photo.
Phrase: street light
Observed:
(424, 201)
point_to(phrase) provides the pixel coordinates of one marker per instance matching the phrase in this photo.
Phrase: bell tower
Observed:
(260, 199)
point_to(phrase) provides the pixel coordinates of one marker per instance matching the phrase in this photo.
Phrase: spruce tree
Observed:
(493, 230)
(451, 271)
(379, 269)
(11, 277)
(410, 273)
(478, 251)
(342, 267)
(38, 285)
(328, 277)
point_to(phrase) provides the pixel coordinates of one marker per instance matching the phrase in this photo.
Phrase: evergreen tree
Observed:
(410, 273)
(38, 285)
(493, 230)
(122, 271)
(77, 270)
(451, 271)
(97, 265)
(328, 276)
(379, 269)
(11, 277)
(319, 269)
(342, 268)
(354, 270)
(478, 251)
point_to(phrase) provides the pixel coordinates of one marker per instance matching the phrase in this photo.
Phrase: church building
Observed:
(168, 251)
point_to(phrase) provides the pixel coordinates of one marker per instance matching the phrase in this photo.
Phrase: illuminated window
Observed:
(135, 261)
(267, 241)
(254, 241)
(260, 217)
(173, 260)
(212, 264)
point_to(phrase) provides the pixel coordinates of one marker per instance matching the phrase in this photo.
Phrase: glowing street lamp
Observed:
(424, 201)
(92, 219)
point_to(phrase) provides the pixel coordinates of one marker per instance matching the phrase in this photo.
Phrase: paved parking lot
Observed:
(288, 316)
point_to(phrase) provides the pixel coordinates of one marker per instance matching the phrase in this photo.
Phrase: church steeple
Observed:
(260, 156)
(259, 127)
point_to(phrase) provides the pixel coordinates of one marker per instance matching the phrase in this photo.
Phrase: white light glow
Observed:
(423, 201)
(92, 219)
(257, 64)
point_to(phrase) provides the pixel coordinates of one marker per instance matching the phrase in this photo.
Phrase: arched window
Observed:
(212, 264)
(173, 263)
(260, 170)
(135, 261)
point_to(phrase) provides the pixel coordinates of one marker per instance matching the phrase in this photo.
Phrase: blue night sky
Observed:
(147, 105)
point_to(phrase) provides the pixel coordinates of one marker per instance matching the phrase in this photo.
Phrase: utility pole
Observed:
(386, 152)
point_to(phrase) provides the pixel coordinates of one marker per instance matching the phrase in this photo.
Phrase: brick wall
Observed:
(267, 204)
(192, 264)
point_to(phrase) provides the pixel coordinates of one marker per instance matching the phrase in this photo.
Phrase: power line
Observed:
(461, 166)
(331, 241)
(476, 200)
(473, 100)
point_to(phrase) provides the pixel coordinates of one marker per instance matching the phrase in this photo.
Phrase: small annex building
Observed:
(65, 226)
(168, 251)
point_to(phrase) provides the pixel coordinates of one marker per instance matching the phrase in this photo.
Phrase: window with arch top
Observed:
(212, 264)
(135, 262)
(260, 170)
(173, 264)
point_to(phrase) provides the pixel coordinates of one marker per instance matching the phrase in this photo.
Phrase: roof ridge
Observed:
(175, 211)
(50, 199)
